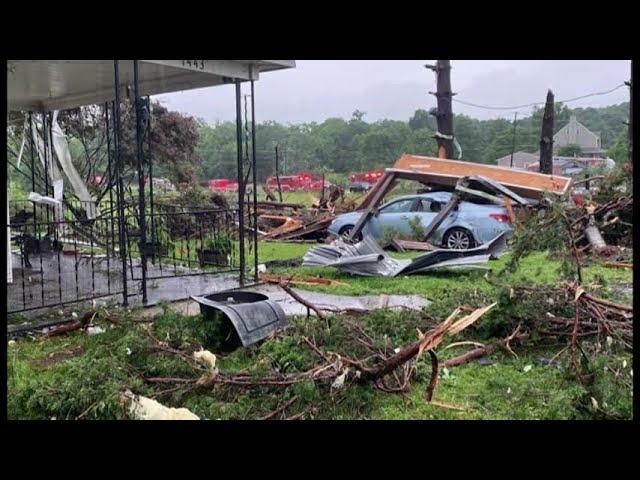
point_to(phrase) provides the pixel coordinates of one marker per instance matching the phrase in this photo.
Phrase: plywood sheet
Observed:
(447, 172)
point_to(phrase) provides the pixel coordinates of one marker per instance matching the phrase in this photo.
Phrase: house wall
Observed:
(520, 160)
(574, 133)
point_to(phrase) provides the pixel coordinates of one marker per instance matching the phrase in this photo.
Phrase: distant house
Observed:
(520, 160)
(573, 166)
(574, 133)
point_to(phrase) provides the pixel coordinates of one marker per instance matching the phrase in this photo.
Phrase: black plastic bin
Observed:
(252, 314)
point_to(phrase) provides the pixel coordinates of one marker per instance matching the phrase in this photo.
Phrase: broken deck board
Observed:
(444, 172)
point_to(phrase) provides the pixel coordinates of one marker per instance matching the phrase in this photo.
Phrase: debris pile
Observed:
(595, 223)
(368, 259)
(290, 221)
(585, 232)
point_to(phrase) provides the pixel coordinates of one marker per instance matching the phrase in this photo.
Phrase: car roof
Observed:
(438, 196)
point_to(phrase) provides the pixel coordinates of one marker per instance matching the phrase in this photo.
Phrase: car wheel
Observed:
(458, 239)
(346, 231)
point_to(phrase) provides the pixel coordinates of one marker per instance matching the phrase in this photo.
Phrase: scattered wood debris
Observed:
(81, 324)
(617, 265)
(299, 280)
(400, 245)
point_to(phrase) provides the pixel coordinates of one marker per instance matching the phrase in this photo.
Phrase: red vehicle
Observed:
(287, 183)
(222, 185)
(316, 186)
(364, 180)
(301, 181)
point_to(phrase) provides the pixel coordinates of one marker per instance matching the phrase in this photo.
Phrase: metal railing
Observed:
(64, 257)
(58, 258)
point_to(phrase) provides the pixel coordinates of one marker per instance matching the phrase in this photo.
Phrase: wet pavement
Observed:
(59, 279)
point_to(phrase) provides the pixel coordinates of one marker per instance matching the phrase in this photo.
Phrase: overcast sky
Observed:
(394, 89)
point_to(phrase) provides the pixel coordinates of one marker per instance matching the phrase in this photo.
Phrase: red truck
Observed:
(312, 181)
(363, 181)
(287, 183)
(302, 181)
(222, 185)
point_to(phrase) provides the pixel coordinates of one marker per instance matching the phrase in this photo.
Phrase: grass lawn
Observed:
(76, 374)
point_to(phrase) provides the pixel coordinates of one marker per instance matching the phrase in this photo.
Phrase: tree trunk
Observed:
(546, 138)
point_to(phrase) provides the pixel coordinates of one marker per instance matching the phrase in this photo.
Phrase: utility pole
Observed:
(444, 111)
(513, 145)
(546, 138)
(284, 158)
(278, 175)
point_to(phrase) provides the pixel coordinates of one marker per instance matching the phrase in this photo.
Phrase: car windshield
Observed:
(398, 206)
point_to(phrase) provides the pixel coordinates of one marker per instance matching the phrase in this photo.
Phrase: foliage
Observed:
(619, 151)
(341, 146)
(571, 150)
(220, 242)
(173, 142)
(529, 237)
(388, 234)
(417, 230)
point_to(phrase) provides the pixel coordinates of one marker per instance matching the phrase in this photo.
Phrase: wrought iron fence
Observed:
(185, 241)
(60, 256)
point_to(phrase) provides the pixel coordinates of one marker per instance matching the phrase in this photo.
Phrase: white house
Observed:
(574, 133)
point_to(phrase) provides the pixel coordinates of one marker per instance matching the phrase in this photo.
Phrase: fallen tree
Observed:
(337, 369)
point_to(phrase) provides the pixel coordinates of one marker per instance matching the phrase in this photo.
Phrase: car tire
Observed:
(458, 239)
(344, 231)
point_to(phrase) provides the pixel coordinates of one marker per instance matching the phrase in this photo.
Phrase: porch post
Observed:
(141, 200)
(240, 182)
(255, 186)
(120, 187)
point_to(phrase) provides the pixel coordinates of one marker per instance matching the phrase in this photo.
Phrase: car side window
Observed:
(400, 206)
(422, 205)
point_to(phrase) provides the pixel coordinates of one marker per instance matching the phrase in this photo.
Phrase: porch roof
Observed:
(44, 85)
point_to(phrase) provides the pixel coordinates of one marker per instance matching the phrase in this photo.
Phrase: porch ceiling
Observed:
(44, 85)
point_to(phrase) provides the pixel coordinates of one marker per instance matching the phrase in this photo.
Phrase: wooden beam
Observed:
(442, 214)
(366, 201)
(374, 201)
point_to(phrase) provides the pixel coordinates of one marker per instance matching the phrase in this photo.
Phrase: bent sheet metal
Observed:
(368, 259)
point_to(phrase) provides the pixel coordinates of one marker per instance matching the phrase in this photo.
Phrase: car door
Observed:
(394, 215)
(425, 209)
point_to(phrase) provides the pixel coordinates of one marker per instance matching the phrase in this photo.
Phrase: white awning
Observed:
(45, 85)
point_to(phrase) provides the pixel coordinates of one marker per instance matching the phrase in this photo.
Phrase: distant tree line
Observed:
(186, 150)
(341, 146)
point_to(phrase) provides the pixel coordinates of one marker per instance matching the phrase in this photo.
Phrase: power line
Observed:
(538, 103)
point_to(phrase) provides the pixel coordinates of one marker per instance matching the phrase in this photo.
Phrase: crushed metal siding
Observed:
(368, 259)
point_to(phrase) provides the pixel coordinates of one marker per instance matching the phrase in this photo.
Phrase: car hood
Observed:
(345, 219)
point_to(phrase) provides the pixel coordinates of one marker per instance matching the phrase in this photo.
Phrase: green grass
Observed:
(446, 289)
(42, 383)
